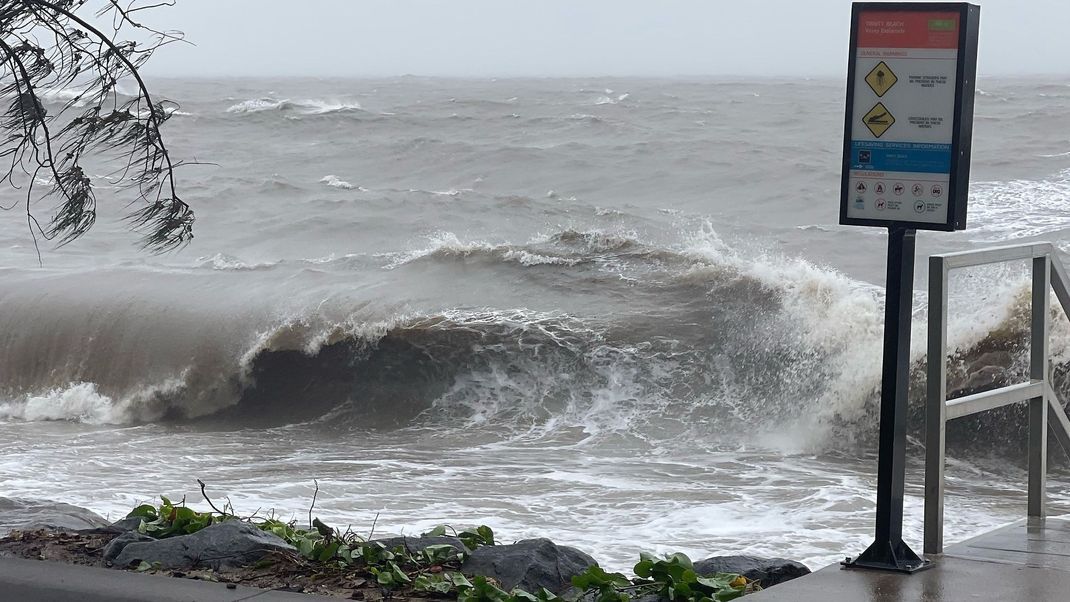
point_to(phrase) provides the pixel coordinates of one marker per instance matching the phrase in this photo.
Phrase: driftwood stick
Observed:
(314, 494)
(208, 499)
(372, 532)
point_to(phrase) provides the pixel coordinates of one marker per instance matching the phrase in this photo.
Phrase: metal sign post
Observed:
(906, 166)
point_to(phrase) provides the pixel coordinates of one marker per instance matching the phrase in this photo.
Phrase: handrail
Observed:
(965, 259)
(1045, 410)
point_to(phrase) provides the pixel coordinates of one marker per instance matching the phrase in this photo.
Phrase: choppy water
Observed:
(618, 313)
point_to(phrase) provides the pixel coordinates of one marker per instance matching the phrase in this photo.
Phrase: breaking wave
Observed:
(303, 107)
(611, 100)
(742, 343)
(335, 182)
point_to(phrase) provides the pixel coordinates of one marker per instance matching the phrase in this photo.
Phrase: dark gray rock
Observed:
(766, 571)
(230, 544)
(530, 565)
(115, 546)
(416, 544)
(24, 514)
(126, 524)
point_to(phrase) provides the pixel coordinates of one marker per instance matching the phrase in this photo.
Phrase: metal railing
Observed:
(1044, 409)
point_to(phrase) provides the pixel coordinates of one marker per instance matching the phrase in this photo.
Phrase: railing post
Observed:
(936, 407)
(1038, 371)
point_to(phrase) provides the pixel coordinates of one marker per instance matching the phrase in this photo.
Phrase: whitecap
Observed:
(610, 100)
(335, 182)
(305, 107)
(222, 261)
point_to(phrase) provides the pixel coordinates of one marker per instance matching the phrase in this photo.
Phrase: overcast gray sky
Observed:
(564, 37)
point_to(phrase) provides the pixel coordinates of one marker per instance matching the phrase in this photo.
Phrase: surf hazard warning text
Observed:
(902, 115)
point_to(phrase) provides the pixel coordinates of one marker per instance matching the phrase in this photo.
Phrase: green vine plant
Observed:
(434, 570)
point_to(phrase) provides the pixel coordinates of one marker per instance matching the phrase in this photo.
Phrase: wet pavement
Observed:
(1028, 560)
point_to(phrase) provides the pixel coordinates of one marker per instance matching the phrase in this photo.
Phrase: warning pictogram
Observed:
(878, 119)
(881, 79)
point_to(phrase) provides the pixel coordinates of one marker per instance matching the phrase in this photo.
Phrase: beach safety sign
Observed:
(909, 114)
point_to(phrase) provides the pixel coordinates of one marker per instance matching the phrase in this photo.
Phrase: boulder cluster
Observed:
(530, 564)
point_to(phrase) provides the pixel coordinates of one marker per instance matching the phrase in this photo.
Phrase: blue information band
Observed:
(912, 157)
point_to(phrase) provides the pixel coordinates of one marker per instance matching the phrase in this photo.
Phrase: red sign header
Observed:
(920, 29)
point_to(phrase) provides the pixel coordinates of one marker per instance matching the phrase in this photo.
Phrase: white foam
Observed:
(307, 107)
(335, 182)
(611, 100)
(78, 402)
(222, 261)
(527, 258)
(256, 105)
(1015, 209)
(825, 315)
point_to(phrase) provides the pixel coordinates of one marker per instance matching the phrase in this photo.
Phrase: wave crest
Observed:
(303, 107)
(775, 343)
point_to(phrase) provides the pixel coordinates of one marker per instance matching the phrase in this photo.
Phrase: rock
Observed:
(126, 524)
(766, 571)
(24, 514)
(230, 544)
(115, 546)
(530, 565)
(416, 544)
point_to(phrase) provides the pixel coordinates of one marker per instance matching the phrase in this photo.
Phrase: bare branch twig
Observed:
(207, 499)
(314, 494)
(372, 532)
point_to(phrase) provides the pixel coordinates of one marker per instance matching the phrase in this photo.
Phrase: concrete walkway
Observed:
(39, 581)
(1023, 561)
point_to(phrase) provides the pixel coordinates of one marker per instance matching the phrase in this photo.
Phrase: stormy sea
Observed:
(618, 313)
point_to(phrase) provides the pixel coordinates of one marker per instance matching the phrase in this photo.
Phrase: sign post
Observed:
(906, 166)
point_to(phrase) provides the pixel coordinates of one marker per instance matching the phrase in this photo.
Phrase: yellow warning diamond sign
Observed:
(881, 79)
(878, 119)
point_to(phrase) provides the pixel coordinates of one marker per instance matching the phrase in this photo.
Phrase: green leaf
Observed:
(144, 566)
(459, 579)
(438, 554)
(546, 595)
(385, 578)
(143, 511)
(399, 575)
(644, 568)
(183, 513)
(435, 584)
(486, 533)
(305, 547)
(717, 582)
(730, 594)
(328, 551)
(682, 559)
(438, 531)
(597, 578)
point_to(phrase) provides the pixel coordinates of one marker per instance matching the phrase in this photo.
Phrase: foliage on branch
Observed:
(52, 48)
